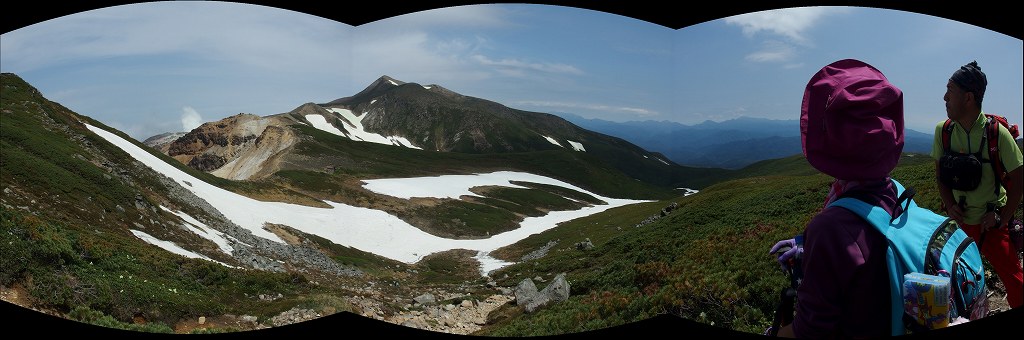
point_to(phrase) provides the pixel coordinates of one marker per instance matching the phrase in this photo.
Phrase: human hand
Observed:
(956, 213)
(1016, 235)
(787, 250)
(991, 220)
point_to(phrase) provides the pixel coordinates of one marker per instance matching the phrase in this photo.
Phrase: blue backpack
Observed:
(921, 241)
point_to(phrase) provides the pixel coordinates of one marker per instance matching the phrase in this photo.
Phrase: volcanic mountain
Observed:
(416, 117)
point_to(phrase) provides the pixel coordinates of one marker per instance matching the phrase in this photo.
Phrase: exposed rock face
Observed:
(294, 315)
(664, 212)
(206, 162)
(462, 318)
(242, 146)
(531, 300)
(585, 245)
(225, 133)
(527, 296)
(163, 141)
(525, 291)
(539, 253)
(262, 158)
(425, 299)
(558, 290)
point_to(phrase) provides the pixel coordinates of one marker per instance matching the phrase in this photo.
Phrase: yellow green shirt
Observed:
(978, 199)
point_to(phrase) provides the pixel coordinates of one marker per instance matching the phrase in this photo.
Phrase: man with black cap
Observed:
(984, 207)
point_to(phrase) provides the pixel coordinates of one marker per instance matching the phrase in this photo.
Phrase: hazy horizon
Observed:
(158, 67)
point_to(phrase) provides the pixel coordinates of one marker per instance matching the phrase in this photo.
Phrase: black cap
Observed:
(970, 78)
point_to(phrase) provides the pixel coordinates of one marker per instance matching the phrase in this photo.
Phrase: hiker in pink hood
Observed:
(851, 125)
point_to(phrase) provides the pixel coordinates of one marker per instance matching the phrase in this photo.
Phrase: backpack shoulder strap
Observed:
(882, 221)
(947, 130)
(1013, 129)
(877, 216)
(992, 134)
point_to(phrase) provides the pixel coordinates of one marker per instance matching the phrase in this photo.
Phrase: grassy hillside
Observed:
(369, 160)
(498, 209)
(706, 261)
(700, 262)
(795, 165)
(69, 198)
(72, 269)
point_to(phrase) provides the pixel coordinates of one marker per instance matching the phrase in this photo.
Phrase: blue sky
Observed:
(167, 66)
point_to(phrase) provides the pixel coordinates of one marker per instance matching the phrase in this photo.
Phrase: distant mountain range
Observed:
(730, 144)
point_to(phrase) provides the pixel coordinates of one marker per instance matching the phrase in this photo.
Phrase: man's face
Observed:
(956, 100)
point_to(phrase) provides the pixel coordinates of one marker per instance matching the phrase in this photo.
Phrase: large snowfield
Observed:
(366, 229)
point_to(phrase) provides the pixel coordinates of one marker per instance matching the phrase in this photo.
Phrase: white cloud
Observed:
(463, 17)
(412, 57)
(518, 66)
(270, 38)
(401, 47)
(190, 118)
(596, 107)
(773, 51)
(791, 23)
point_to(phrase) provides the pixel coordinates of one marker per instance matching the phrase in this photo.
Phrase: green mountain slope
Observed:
(435, 118)
(69, 200)
(707, 260)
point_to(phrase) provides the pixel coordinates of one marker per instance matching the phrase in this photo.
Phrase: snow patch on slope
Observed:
(200, 228)
(553, 141)
(366, 229)
(577, 146)
(356, 131)
(172, 247)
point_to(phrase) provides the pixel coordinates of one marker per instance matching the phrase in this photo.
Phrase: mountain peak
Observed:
(386, 79)
(12, 80)
(383, 83)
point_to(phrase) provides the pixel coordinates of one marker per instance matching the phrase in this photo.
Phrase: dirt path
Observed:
(221, 322)
(461, 318)
(996, 293)
(19, 296)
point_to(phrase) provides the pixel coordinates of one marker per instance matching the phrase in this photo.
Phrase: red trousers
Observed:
(996, 248)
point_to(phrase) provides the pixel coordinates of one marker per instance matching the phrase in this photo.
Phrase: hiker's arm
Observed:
(1013, 196)
(948, 202)
(828, 271)
(786, 331)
